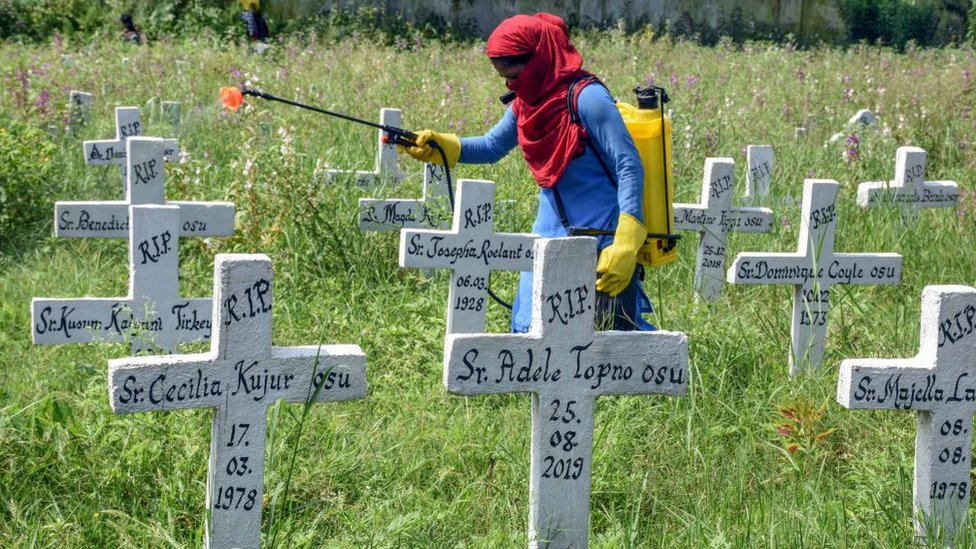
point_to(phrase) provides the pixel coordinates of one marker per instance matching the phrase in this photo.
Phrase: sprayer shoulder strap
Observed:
(572, 105)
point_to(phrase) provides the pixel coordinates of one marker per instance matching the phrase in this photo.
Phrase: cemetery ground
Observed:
(749, 458)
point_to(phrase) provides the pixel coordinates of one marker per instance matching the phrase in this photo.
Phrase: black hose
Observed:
(450, 194)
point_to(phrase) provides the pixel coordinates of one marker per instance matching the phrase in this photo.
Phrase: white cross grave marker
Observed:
(566, 365)
(79, 109)
(940, 383)
(714, 218)
(909, 191)
(430, 212)
(154, 317)
(759, 159)
(812, 270)
(386, 169)
(145, 185)
(863, 117)
(240, 377)
(471, 249)
(112, 151)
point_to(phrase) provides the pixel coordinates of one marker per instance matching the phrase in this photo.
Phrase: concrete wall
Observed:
(807, 19)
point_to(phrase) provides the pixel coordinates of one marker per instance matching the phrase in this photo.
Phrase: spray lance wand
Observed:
(232, 98)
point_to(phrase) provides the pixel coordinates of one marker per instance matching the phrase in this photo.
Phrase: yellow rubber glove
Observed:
(618, 260)
(425, 153)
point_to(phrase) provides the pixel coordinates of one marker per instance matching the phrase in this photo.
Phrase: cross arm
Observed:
(104, 152)
(340, 371)
(634, 363)
(81, 320)
(751, 219)
(497, 363)
(689, 217)
(395, 214)
(888, 384)
(882, 268)
(109, 219)
(771, 268)
(162, 383)
(206, 218)
(495, 251)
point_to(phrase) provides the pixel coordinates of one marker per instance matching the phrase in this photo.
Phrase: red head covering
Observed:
(545, 134)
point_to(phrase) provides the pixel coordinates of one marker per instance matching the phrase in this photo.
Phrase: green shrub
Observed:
(891, 22)
(972, 23)
(26, 179)
(38, 20)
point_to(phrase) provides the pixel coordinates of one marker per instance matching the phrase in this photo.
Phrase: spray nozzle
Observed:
(233, 98)
(397, 136)
(651, 97)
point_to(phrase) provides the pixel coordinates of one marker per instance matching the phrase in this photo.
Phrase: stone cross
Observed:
(430, 212)
(566, 365)
(240, 377)
(759, 159)
(812, 270)
(154, 318)
(386, 169)
(714, 218)
(110, 219)
(112, 151)
(79, 109)
(940, 383)
(909, 191)
(471, 249)
(863, 117)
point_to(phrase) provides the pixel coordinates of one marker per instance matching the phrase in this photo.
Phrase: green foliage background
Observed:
(412, 466)
(890, 22)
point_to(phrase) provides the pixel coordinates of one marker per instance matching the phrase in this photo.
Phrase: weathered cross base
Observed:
(154, 318)
(471, 249)
(940, 383)
(813, 270)
(240, 377)
(909, 191)
(566, 365)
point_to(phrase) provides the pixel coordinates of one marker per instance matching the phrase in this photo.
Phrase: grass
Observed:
(412, 466)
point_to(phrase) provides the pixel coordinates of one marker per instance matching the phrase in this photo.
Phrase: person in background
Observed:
(257, 28)
(130, 32)
(588, 170)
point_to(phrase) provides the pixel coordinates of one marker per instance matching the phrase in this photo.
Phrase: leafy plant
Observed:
(802, 431)
(26, 178)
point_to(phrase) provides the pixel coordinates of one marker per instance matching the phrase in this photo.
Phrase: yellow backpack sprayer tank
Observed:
(651, 131)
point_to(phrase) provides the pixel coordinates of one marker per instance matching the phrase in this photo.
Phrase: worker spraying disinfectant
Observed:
(583, 157)
(604, 169)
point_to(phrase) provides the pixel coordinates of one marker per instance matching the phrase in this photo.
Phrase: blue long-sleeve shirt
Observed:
(588, 195)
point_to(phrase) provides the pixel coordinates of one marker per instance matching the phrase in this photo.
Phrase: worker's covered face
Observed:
(510, 72)
(534, 55)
